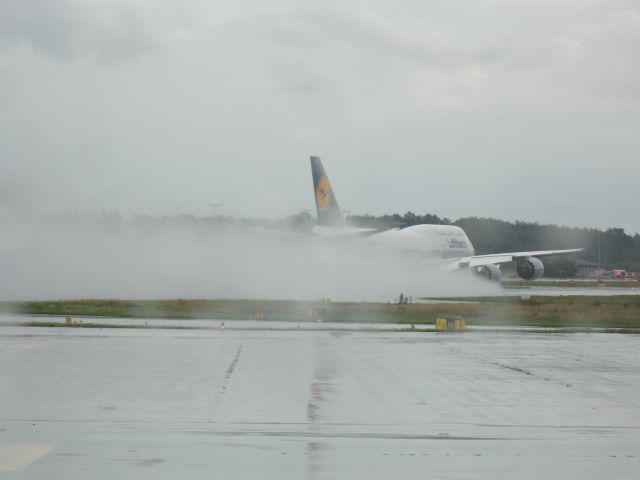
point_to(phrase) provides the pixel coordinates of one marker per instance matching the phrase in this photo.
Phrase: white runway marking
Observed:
(16, 456)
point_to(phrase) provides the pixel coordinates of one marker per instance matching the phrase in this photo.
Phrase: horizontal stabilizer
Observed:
(346, 232)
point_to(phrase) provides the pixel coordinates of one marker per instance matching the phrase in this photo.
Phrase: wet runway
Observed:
(534, 290)
(240, 404)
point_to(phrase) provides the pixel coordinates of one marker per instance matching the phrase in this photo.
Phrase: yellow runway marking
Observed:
(16, 456)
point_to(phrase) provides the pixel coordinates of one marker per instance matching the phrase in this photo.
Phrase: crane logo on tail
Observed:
(323, 193)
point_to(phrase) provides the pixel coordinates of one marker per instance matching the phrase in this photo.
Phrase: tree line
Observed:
(613, 247)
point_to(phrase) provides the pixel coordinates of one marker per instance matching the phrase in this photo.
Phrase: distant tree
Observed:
(302, 222)
(395, 220)
(615, 247)
(560, 267)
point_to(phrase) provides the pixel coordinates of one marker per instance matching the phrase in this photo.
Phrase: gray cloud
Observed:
(105, 30)
(480, 108)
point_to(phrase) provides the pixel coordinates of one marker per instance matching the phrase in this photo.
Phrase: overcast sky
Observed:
(514, 109)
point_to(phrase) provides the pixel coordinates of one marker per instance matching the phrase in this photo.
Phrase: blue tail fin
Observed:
(329, 214)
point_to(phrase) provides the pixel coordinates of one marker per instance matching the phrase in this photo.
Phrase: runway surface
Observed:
(235, 404)
(534, 290)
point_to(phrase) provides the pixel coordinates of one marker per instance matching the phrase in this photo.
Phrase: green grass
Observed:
(619, 311)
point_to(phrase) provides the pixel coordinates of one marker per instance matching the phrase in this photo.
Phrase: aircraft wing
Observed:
(494, 258)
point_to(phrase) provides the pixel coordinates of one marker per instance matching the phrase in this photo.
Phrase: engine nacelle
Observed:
(491, 272)
(530, 268)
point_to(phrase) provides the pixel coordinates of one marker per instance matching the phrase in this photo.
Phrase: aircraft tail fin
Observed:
(329, 214)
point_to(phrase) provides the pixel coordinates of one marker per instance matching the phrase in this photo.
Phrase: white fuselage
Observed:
(432, 242)
(425, 241)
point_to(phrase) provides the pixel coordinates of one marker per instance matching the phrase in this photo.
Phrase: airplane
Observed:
(447, 244)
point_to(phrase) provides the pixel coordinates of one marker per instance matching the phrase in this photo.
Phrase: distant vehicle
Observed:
(446, 244)
(618, 274)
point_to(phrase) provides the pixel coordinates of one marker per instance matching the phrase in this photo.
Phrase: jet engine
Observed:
(530, 268)
(491, 272)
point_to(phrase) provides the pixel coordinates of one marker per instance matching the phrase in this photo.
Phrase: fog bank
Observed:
(76, 257)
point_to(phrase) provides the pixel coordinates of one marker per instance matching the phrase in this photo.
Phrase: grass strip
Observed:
(618, 311)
